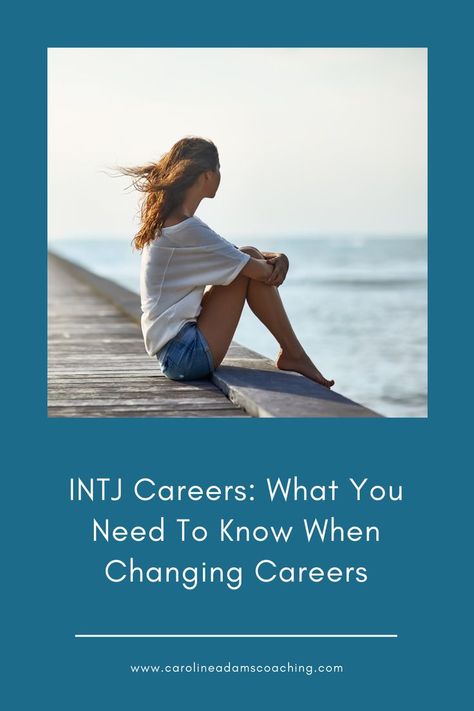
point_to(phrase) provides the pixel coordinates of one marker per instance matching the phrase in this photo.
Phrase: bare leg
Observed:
(221, 310)
(220, 314)
(267, 305)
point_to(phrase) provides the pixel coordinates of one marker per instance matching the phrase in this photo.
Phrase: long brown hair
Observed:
(164, 183)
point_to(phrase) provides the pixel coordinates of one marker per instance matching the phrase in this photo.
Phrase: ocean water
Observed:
(358, 306)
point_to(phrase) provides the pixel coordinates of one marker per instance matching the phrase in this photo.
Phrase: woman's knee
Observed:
(253, 251)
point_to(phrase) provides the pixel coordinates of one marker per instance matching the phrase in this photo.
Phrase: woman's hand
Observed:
(280, 265)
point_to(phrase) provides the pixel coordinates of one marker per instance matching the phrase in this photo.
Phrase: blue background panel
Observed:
(418, 572)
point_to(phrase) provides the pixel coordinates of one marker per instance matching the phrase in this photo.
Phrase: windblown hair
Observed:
(164, 183)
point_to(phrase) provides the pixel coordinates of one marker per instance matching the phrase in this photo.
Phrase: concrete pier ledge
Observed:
(98, 367)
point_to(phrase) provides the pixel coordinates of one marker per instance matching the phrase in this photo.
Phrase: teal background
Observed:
(418, 574)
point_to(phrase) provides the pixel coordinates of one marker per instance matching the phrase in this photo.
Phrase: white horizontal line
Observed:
(239, 635)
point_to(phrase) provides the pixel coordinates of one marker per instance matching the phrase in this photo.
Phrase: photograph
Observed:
(237, 232)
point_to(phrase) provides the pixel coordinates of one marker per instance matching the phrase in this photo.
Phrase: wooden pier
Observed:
(98, 367)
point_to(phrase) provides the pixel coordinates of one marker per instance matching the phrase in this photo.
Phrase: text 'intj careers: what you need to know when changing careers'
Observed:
(312, 529)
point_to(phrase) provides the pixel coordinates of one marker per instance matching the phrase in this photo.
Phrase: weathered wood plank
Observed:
(97, 365)
(111, 413)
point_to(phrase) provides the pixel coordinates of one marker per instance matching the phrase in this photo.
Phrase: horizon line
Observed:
(289, 235)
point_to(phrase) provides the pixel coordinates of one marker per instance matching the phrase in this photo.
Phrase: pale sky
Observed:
(311, 140)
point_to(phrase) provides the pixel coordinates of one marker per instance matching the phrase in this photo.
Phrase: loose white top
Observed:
(175, 269)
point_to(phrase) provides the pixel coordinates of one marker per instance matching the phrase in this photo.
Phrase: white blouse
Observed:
(175, 269)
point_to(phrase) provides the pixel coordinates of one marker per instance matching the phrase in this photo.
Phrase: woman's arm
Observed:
(258, 269)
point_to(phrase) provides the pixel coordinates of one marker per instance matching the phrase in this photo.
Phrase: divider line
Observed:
(226, 636)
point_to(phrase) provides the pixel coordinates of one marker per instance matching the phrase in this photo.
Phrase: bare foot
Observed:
(304, 365)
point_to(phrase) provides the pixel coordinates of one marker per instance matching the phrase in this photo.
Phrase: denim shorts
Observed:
(187, 356)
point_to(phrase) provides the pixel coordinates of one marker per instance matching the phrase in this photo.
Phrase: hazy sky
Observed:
(311, 140)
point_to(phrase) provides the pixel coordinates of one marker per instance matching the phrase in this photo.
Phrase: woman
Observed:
(193, 282)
